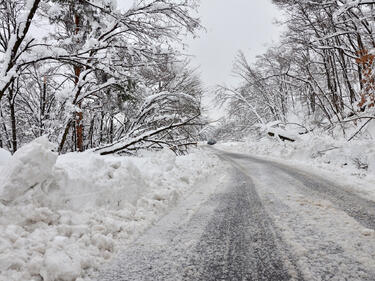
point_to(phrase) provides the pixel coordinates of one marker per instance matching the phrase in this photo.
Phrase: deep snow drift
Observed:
(62, 217)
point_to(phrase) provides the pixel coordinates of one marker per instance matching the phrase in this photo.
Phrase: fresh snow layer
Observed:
(63, 217)
(351, 164)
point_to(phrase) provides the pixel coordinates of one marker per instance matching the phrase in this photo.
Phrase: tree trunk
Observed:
(65, 135)
(111, 129)
(43, 106)
(7, 139)
(13, 119)
(79, 115)
(79, 130)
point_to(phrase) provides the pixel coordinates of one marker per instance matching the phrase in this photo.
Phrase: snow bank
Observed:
(62, 217)
(350, 163)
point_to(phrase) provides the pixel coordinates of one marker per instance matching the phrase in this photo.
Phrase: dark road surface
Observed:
(239, 242)
(266, 222)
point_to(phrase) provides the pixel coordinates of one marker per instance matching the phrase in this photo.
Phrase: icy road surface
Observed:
(262, 221)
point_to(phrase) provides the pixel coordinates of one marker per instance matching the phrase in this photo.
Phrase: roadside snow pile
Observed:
(62, 217)
(30, 165)
(355, 158)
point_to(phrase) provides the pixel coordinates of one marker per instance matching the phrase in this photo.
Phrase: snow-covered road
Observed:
(264, 221)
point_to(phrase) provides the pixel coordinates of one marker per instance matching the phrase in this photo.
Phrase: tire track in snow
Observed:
(240, 242)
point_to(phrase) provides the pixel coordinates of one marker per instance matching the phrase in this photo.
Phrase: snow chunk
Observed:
(59, 266)
(31, 165)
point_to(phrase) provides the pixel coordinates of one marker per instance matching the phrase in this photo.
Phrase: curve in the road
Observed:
(359, 208)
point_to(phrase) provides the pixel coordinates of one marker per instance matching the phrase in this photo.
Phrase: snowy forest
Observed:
(121, 160)
(319, 77)
(91, 76)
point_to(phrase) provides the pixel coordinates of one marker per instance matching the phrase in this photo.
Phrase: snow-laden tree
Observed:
(96, 64)
(319, 71)
(15, 20)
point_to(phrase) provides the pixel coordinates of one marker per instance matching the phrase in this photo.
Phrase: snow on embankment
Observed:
(62, 217)
(349, 163)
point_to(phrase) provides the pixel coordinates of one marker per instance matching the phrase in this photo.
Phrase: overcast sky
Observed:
(233, 25)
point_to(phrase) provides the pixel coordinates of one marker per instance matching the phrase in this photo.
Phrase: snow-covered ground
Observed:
(347, 163)
(63, 217)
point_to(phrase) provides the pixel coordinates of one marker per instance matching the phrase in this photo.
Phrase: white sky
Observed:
(233, 25)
